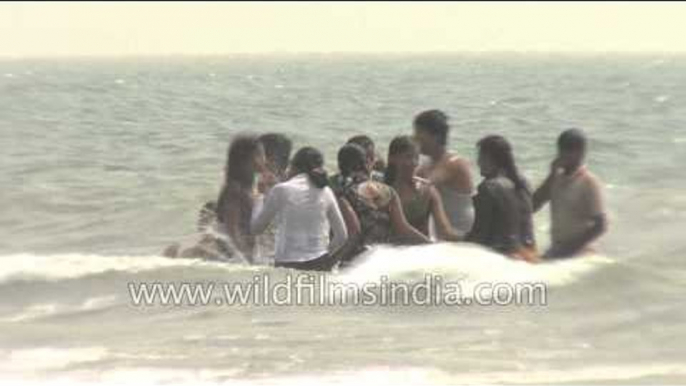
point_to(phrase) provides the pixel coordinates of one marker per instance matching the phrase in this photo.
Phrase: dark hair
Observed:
(399, 145)
(572, 139)
(365, 142)
(500, 151)
(351, 159)
(277, 147)
(311, 161)
(239, 168)
(434, 122)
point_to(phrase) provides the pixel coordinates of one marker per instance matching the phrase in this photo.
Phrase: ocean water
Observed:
(105, 162)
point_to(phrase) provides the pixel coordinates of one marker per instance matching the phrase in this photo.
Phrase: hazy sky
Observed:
(43, 29)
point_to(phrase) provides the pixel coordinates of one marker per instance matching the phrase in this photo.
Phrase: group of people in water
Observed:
(272, 204)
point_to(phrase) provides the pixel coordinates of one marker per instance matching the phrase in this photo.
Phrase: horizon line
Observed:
(339, 53)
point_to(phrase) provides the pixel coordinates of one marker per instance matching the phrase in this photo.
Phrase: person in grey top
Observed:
(503, 204)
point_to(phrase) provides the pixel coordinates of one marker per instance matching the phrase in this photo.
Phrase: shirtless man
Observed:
(575, 195)
(449, 173)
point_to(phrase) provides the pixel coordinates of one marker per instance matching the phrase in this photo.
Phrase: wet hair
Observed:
(572, 139)
(311, 161)
(366, 143)
(500, 151)
(399, 145)
(434, 122)
(277, 147)
(239, 168)
(351, 159)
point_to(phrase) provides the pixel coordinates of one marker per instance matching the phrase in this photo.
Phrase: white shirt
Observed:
(305, 214)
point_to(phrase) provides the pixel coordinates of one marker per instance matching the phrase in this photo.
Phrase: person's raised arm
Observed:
(401, 226)
(352, 222)
(444, 229)
(542, 195)
(263, 215)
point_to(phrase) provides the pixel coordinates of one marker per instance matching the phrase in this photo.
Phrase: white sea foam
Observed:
(75, 265)
(43, 310)
(467, 263)
(368, 376)
(47, 358)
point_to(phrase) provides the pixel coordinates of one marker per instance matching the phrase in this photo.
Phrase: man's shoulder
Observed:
(455, 159)
(590, 180)
(457, 164)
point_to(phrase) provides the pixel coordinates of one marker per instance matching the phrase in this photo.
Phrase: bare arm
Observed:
(443, 226)
(336, 221)
(401, 226)
(542, 195)
(352, 223)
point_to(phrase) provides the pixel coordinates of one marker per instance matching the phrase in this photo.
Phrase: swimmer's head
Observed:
(277, 150)
(403, 158)
(368, 145)
(431, 130)
(352, 158)
(571, 149)
(496, 156)
(244, 148)
(310, 161)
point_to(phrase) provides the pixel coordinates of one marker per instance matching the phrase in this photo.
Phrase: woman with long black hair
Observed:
(307, 213)
(503, 204)
(246, 158)
(224, 227)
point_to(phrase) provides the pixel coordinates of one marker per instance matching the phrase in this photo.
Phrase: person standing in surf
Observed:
(419, 198)
(277, 149)
(245, 160)
(448, 172)
(503, 204)
(306, 212)
(371, 209)
(576, 199)
(224, 225)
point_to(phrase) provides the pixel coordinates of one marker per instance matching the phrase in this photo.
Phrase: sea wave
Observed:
(467, 263)
(29, 266)
(457, 262)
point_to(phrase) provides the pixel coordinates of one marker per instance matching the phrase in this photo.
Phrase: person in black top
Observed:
(503, 204)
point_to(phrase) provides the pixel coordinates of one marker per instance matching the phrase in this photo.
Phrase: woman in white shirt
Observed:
(306, 212)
